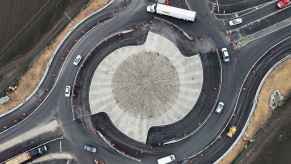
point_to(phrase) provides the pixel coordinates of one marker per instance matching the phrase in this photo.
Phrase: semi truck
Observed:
(171, 11)
(26, 156)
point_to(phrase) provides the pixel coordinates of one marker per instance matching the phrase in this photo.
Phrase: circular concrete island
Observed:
(147, 85)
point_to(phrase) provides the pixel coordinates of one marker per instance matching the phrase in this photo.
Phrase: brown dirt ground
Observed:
(273, 141)
(278, 79)
(30, 80)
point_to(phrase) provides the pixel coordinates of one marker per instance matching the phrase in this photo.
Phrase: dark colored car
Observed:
(39, 151)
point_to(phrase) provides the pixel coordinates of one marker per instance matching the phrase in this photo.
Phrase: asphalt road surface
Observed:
(200, 137)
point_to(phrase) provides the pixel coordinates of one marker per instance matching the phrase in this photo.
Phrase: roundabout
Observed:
(143, 93)
(144, 86)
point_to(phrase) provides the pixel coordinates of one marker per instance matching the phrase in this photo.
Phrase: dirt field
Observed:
(27, 27)
(31, 78)
(279, 79)
(273, 141)
(14, 15)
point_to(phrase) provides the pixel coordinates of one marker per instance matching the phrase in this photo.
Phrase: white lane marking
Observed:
(61, 149)
(253, 9)
(261, 18)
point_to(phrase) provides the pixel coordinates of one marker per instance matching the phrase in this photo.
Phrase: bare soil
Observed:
(29, 81)
(273, 141)
(26, 28)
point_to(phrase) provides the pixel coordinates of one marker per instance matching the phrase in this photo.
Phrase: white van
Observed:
(219, 107)
(167, 159)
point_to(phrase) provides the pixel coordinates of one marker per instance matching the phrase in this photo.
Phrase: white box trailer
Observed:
(171, 11)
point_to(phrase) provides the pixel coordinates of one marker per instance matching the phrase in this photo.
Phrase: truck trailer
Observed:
(171, 11)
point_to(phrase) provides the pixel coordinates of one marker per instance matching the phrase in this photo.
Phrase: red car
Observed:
(283, 3)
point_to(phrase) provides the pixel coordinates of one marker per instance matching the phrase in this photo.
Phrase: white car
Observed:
(90, 148)
(235, 21)
(68, 91)
(77, 60)
(219, 107)
(167, 159)
(225, 55)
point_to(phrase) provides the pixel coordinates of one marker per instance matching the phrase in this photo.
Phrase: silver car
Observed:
(77, 60)
(225, 55)
(234, 22)
(90, 148)
(219, 107)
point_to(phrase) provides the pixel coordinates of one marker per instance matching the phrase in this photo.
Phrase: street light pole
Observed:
(217, 6)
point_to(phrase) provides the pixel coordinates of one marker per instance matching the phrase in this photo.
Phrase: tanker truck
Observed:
(171, 11)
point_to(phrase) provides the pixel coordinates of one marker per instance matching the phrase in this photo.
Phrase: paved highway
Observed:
(226, 7)
(200, 136)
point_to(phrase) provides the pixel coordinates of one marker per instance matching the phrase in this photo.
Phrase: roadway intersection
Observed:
(201, 136)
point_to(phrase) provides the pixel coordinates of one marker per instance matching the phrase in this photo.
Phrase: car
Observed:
(167, 159)
(68, 91)
(90, 148)
(283, 3)
(166, 2)
(99, 161)
(225, 55)
(77, 60)
(39, 151)
(231, 131)
(235, 21)
(219, 107)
